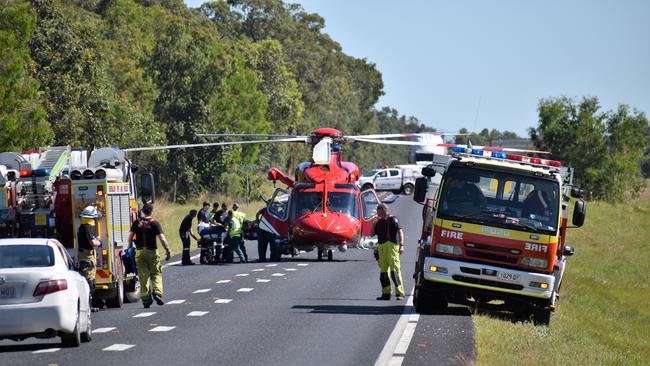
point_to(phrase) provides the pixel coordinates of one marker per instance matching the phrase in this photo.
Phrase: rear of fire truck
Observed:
(495, 230)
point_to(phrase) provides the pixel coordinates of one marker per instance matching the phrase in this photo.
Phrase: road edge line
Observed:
(398, 337)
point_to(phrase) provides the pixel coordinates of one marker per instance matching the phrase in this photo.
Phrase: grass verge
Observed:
(603, 316)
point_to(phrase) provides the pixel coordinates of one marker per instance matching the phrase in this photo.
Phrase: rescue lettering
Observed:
(451, 234)
(536, 247)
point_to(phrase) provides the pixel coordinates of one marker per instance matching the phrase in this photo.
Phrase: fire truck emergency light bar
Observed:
(502, 155)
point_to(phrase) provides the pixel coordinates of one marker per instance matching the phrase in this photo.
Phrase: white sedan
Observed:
(41, 293)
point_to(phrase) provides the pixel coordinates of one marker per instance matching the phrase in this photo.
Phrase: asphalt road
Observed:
(297, 312)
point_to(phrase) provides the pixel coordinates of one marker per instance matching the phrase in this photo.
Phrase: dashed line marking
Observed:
(241, 275)
(272, 265)
(223, 281)
(245, 289)
(197, 313)
(118, 347)
(262, 280)
(258, 270)
(144, 315)
(175, 302)
(161, 328)
(103, 330)
(222, 301)
(278, 274)
(303, 264)
(47, 350)
(202, 291)
(291, 269)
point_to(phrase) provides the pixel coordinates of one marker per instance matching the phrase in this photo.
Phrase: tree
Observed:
(605, 148)
(22, 118)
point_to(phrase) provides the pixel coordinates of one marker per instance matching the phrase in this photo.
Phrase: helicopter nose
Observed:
(326, 227)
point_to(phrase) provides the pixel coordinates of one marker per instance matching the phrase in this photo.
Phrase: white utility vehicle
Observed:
(400, 179)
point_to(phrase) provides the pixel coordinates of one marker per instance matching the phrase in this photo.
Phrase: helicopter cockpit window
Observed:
(279, 204)
(307, 202)
(369, 204)
(343, 202)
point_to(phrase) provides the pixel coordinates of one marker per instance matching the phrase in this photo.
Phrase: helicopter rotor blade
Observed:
(269, 136)
(388, 142)
(399, 135)
(185, 146)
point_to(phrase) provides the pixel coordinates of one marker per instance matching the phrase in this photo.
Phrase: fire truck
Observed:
(43, 192)
(495, 230)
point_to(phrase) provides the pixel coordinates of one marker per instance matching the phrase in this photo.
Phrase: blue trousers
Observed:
(236, 243)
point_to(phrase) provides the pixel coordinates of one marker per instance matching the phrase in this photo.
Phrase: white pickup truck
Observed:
(400, 179)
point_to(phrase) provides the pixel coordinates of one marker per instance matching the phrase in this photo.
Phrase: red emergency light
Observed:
(25, 172)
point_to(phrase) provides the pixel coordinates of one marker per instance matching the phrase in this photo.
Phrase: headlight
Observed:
(534, 262)
(448, 249)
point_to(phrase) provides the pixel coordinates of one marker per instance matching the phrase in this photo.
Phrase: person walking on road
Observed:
(185, 231)
(390, 239)
(234, 228)
(241, 217)
(144, 232)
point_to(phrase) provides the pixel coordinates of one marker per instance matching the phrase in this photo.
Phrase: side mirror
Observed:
(420, 193)
(576, 192)
(579, 212)
(569, 250)
(147, 188)
(429, 171)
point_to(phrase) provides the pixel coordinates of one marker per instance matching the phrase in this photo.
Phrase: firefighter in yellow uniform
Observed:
(144, 232)
(390, 246)
(87, 241)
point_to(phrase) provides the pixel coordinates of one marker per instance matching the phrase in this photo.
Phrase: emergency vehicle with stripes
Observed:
(495, 230)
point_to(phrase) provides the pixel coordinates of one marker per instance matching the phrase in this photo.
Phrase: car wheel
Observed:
(87, 335)
(366, 187)
(73, 339)
(408, 189)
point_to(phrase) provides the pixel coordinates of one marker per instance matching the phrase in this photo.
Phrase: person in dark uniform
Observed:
(220, 216)
(144, 232)
(460, 191)
(185, 232)
(204, 213)
(390, 245)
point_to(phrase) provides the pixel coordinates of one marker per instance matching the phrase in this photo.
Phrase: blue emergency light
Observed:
(499, 155)
(477, 152)
(42, 172)
(458, 149)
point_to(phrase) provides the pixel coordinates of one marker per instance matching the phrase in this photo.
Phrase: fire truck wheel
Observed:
(542, 316)
(117, 297)
(133, 293)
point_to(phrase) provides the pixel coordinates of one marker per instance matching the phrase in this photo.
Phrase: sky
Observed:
(486, 64)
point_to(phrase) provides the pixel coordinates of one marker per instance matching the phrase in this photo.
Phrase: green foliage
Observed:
(22, 118)
(484, 138)
(605, 148)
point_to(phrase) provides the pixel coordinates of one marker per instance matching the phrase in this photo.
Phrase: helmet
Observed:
(235, 206)
(343, 248)
(90, 212)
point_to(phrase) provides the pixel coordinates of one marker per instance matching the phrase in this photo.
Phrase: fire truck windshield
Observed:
(343, 202)
(307, 202)
(500, 198)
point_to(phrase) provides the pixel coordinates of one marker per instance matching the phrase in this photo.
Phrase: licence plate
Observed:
(7, 292)
(507, 276)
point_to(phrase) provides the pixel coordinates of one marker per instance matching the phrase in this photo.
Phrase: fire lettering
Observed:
(451, 234)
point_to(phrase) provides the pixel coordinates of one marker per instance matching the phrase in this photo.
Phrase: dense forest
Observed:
(132, 73)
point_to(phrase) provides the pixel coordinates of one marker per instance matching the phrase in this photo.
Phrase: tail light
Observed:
(51, 286)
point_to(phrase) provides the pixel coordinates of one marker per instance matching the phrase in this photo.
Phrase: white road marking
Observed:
(303, 264)
(241, 275)
(179, 262)
(48, 350)
(161, 328)
(144, 315)
(197, 313)
(223, 281)
(118, 347)
(202, 291)
(272, 265)
(175, 302)
(262, 280)
(400, 338)
(258, 270)
(245, 289)
(222, 301)
(103, 330)
(278, 274)
(290, 269)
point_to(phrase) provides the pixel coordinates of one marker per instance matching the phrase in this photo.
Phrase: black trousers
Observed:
(185, 239)
(264, 241)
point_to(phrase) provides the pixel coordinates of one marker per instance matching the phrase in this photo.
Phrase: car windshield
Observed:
(21, 256)
(370, 173)
(307, 202)
(500, 198)
(343, 202)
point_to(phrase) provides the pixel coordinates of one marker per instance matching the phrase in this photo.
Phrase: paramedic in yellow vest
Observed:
(144, 232)
(390, 239)
(241, 217)
(87, 241)
(234, 228)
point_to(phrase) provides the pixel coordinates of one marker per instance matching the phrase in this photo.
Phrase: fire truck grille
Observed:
(491, 256)
(492, 248)
(479, 281)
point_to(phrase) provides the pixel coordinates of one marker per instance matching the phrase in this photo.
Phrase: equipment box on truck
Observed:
(495, 230)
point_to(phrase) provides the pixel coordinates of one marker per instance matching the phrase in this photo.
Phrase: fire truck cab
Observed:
(495, 230)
